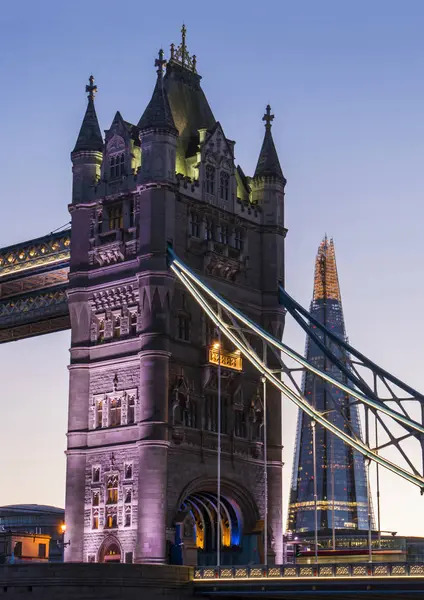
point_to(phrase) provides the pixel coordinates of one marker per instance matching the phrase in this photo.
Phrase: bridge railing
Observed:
(308, 571)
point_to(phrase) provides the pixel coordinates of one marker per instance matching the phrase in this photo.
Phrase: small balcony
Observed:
(229, 360)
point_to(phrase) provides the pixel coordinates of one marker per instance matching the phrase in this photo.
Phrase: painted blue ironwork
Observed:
(196, 287)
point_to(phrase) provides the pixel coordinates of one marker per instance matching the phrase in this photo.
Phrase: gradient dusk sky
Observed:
(345, 81)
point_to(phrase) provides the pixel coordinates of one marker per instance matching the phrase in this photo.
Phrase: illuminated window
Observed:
(209, 230)
(96, 498)
(111, 519)
(210, 179)
(99, 414)
(131, 410)
(223, 234)
(95, 475)
(112, 489)
(101, 330)
(225, 184)
(95, 519)
(115, 217)
(115, 412)
(127, 516)
(194, 224)
(183, 332)
(116, 165)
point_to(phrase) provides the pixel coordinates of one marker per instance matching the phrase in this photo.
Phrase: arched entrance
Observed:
(196, 528)
(110, 551)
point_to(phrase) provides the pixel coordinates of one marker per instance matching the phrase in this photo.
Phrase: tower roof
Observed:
(90, 137)
(158, 113)
(190, 108)
(268, 162)
(326, 282)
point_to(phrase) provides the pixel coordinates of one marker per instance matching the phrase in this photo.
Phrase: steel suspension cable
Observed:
(298, 400)
(408, 423)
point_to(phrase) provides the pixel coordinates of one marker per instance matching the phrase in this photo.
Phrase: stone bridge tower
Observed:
(142, 434)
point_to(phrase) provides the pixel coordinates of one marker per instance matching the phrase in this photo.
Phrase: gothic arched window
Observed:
(111, 519)
(209, 229)
(116, 165)
(131, 410)
(115, 412)
(133, 323)
(112, 489)
(224, 185)
(101, 330)
(116, 219)
(210, 179)
(238, 239)
(117, 327)
(240, 424)
(99, 414)
(194, 224)
(223, 234)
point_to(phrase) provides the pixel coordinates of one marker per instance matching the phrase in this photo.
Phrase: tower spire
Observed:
(90, 137)
(268, 162)
(157, 114)
(326, 281)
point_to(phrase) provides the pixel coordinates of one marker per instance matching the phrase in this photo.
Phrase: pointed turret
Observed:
(267, 192)
(158, 134)
(90, 137)
(87, 156)
(268, 162)
(158, 113)
(326, 282)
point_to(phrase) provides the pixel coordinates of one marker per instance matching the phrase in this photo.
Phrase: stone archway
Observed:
(110, 551)
(196, 525)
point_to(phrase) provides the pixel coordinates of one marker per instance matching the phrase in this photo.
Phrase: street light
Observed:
(62, 543)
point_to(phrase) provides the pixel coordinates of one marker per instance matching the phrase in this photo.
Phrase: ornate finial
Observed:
(268, 117)
(91, 89)
(160, 63)
(115, 382)
(181, 55)
(183, 44)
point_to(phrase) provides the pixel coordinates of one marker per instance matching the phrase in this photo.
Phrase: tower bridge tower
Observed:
(142, 431)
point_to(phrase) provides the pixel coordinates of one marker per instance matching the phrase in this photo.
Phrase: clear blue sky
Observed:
(345, 82)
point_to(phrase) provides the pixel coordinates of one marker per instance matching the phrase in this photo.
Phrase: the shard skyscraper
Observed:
(342, 489)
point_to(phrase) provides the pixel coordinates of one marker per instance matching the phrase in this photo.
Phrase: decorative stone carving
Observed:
(115, 297)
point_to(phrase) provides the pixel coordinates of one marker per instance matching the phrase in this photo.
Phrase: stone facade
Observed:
(143, 392)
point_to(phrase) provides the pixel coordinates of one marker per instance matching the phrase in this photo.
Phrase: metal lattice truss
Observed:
(393, 413)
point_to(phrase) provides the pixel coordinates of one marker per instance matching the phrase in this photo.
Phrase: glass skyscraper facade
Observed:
(341, 481)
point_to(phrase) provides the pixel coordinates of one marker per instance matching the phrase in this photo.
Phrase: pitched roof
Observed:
(89, 137)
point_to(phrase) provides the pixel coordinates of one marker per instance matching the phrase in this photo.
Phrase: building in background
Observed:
(23, 547)
(36, 519)
(341, 481)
